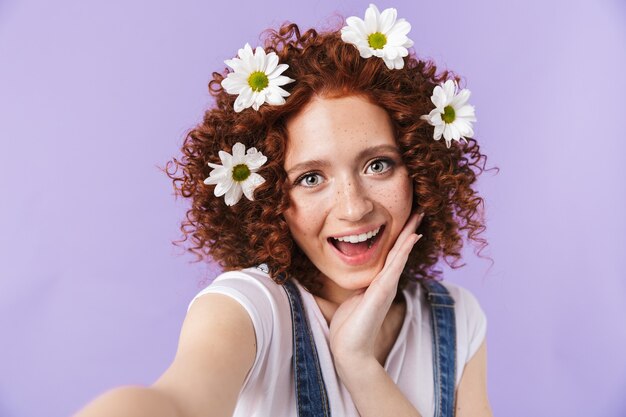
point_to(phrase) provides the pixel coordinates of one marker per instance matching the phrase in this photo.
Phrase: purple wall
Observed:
(94, 95)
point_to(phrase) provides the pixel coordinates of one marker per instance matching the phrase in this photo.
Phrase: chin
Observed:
(355, 280)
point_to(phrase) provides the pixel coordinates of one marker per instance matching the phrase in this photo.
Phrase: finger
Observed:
(394, 264)
(408, 229)
(387, 280)
(397, 264)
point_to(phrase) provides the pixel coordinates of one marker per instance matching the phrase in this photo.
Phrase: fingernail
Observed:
(417, 238)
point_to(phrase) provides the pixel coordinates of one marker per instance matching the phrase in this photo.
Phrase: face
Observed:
(350, 191)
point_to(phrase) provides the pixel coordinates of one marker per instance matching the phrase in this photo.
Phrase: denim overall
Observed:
(311, 397)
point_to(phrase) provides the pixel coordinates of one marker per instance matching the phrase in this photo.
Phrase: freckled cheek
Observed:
(394, 195)
(306, 221)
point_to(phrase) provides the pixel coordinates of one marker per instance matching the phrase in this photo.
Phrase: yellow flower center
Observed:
(241, 172)
(258, 80)
(377, 40)
(448, 114)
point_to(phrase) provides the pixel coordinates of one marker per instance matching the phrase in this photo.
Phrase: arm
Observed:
(215, 352)
(472, 398)
(374, 393)
(354, 329)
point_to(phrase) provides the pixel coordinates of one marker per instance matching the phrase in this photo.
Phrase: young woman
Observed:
(320, 184)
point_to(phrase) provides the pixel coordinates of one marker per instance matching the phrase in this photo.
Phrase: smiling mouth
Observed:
(355, 248)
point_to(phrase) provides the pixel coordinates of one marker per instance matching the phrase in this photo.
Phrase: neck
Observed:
(331, 296)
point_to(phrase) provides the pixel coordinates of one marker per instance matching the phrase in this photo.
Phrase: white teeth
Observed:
(358, 238)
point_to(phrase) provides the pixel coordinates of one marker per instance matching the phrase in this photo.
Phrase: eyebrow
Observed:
(314, 163)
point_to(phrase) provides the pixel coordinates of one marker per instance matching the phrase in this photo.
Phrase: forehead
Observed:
(337, 126)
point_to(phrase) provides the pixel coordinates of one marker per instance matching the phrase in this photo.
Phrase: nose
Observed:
(352, 201)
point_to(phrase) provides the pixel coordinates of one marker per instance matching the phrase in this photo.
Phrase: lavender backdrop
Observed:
(95, 95)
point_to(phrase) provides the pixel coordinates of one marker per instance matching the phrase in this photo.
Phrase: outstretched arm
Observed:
(216, 350)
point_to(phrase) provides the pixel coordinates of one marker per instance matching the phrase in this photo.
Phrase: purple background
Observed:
(95, 95)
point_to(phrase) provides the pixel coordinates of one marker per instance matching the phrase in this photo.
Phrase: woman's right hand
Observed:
(356, 323)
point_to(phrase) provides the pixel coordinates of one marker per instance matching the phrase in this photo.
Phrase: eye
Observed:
(309, 180)
(379, 166)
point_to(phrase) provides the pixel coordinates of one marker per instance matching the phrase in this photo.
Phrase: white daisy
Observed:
(380, 34)
(237, 174)
(452, 116)
(256, 79)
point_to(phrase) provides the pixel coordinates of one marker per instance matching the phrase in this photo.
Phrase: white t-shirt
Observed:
(269, 388)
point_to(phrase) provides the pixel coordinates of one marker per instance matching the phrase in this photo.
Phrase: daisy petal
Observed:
(466, 111)
(255, 159)
(274, 98)
(435, 117)
(350, 36)
(232, 85)
(277, 71)
(278, 90)
(387, 19)
(236, 64)
(216, 175)
(460, 99)
(271, 64)
(223, 187)
(246, 53)
(250, 184)
(447, 133)
(365, 52)
(357, 25)
(372, 16)
(233, 195)
(455, 131)
(391, 52)
(226, 158)
(281, 80)
(246, 98)
(389, 62)
(439, 97)
(438, 132)
(401, 28)
(259, 99)
(399, 63)
(449, 88)
(259, 59)
(214, 166)
(239, 152)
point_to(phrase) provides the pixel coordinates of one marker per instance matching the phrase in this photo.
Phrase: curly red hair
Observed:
(254, 232)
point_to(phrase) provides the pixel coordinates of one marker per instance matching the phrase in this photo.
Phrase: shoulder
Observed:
(255, 290)
(264, 301)
(470, 318)
(464, 301)
(463, 298)
(249, 285)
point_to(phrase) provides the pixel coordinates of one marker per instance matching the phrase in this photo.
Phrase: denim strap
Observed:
(444, 346)
(311, 397)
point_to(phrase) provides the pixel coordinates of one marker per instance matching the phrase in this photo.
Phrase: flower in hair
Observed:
(452, 116)
(237, 175)
(380, 34)
(256, 79)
